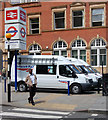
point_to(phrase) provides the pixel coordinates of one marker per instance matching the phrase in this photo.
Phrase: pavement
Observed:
(57, 100)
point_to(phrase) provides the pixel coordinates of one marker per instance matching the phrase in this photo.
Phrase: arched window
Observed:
(34, 49)
(59, 48)
(98, 52)
(78, 49)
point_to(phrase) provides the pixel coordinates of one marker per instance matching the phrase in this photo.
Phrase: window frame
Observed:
(46, 67)
(33, 51)
(61, 49)
(98, 6)
(53, 20)
(98, 48)
(78, 16)
(78, 48)
(78, 8)
(29, 29)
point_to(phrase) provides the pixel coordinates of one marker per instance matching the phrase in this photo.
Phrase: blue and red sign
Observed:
(12, 30)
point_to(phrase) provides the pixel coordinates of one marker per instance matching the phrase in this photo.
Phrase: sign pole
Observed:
(8, 36)
(15, 70)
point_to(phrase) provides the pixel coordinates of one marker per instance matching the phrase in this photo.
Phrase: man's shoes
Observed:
(33, 103)
(29, 100)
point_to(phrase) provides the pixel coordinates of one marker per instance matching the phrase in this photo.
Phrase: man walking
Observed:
(31, 81)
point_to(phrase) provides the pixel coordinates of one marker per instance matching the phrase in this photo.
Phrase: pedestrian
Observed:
(4, 73)
(31, 81)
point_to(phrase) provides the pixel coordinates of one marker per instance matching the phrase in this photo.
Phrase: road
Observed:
(11, 113)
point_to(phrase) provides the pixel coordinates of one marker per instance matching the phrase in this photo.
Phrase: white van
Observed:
(51, 71)
(87, 69)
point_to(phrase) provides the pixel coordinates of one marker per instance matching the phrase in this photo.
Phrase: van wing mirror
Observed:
(74, 75)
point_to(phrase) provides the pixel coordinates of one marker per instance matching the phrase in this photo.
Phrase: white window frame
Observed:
(29, 29)
(60, 49)
(53, 20)
(38, 50)
(73, 19)
(78, 48)
(98, 51)
(71, 16)
(97, 6)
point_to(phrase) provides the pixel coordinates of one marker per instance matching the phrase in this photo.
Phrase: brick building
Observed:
(71, 29)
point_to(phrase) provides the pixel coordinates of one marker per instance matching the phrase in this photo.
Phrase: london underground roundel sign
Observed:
(23, 32)
(12, 30)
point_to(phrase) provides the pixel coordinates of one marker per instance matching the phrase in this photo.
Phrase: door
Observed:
(46, 76)
(65, 75)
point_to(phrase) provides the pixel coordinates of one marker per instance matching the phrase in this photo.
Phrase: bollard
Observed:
(68, 88)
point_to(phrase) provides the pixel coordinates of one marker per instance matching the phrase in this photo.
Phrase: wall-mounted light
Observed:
(46, 47)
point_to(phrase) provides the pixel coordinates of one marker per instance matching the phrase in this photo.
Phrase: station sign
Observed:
(15, 15)
(16, 44)
(18, 31)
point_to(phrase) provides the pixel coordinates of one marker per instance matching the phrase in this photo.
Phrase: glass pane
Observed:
(103, 59)
(59, 23)
(74, 53)
(94, 52)
(64, 44)
(102, 51)
(60, 44)
(94, 60)
(64, 53)
(93, 43)
(34, 31)
(33, 26)
(83, 44)
(78, 43)
(77, 13)
(56, 52)
(103, 43)
(97, 11)
(83, 55)
(78, 21)
(74, 44)
(97, 18)
(59, 14)
(55, 46)
(34, 20)
(97, 23)
(98, 42)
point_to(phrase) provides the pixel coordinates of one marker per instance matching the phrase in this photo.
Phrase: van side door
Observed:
(46, 75)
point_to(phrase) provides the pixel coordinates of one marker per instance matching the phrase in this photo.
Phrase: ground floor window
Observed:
(59, 48)
(35, 49)
(79, 54)
(98, 52)
(98, 56)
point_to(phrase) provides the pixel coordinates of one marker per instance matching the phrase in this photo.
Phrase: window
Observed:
(21, 1)
(98, 17)
(78, 50)
(59, 20)
(78, 18)
(64, 70)
(46, 69)
(34, 25)
(60, 48)
(34, 50)
(98, 52)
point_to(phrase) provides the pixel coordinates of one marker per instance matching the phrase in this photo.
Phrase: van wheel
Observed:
(22, 87)
(75, 88)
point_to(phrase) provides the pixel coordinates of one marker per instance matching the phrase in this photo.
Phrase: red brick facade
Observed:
(48, 36)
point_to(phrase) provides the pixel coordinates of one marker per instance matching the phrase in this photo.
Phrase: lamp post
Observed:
(8, 36)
